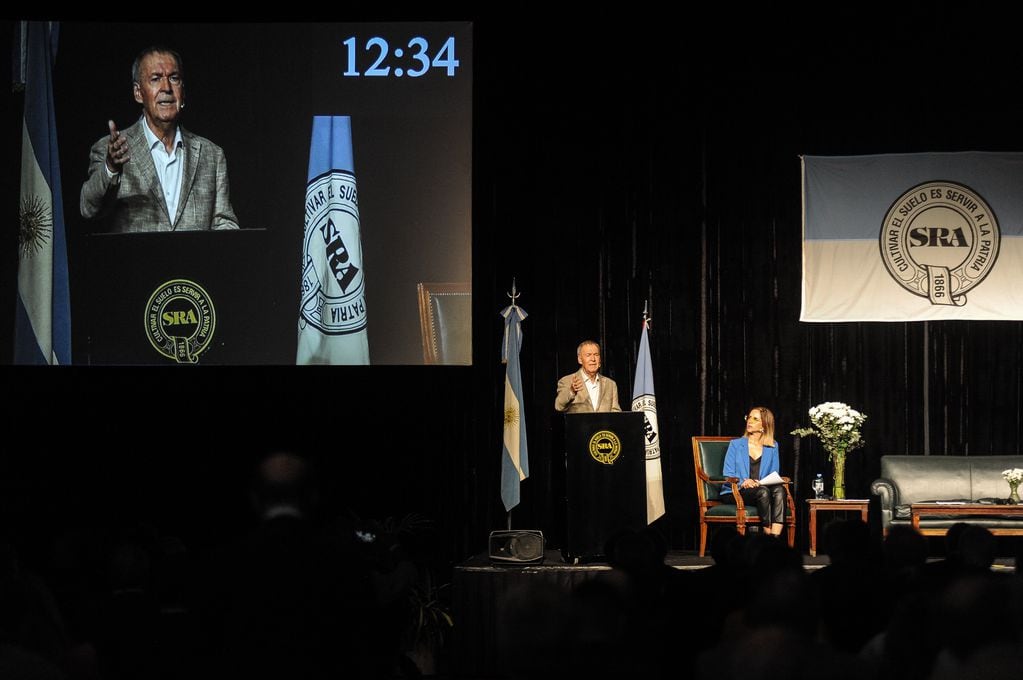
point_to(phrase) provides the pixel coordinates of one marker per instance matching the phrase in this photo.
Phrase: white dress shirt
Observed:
(169, 167)
(593, 387)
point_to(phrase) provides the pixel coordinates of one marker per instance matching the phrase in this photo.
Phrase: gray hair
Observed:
(155, 49)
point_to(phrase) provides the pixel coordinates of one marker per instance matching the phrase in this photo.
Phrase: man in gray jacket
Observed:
(586, 391)
(155, 175)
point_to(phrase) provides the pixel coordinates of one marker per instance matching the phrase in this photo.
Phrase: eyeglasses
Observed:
(749, 418)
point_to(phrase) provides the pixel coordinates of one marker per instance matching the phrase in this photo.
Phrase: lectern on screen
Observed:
(605, 485)
(199, 297)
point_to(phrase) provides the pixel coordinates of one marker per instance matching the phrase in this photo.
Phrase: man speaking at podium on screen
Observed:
(155, 175)
(586, 391)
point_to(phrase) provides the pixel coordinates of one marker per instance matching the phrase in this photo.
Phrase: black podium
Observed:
(195, 297)
(605, 480)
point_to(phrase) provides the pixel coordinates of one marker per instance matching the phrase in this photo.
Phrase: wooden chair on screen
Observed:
(709, 463)
(445, 322)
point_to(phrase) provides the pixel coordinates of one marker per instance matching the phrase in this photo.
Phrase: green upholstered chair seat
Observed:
(728, 510)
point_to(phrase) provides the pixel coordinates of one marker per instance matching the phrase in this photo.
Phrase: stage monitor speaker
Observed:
(523, 546)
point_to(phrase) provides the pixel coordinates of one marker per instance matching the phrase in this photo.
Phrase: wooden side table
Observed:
(845, 505)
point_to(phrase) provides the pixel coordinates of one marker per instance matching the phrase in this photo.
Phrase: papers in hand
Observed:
(772, 478)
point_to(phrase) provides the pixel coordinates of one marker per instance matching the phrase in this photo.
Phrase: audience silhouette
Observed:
(305, 594)
(877, 609)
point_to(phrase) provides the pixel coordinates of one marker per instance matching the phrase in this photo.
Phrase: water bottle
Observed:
(818, 486)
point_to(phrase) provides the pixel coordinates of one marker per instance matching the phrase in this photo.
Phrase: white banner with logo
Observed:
(913, 237)
(332, 311)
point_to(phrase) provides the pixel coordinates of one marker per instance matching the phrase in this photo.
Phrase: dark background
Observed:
(618, 158)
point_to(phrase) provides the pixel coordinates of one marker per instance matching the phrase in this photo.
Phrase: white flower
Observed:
(836, 424)
(1015, 475)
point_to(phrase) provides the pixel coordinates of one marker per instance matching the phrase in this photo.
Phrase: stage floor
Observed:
(553, 559)
(678, 559)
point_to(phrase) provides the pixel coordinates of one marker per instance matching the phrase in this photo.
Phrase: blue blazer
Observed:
(737, 462)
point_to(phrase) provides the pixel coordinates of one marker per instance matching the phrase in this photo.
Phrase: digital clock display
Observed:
(416, 58)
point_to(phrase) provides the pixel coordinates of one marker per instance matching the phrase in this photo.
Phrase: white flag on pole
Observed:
(643, 399)
(332, 312)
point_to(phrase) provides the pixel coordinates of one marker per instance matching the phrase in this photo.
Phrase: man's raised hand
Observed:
(117, 149)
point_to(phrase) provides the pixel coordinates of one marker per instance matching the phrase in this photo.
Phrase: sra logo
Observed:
(333, 287)
(180, 320)
(605, 447)
(939, 240)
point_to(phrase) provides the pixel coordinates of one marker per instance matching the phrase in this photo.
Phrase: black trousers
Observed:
(769, 501)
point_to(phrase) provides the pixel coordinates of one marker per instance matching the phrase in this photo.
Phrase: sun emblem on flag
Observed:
(511, 416)
(35, 225)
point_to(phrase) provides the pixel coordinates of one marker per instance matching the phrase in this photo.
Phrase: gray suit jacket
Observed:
(133, 200)
(580, 401)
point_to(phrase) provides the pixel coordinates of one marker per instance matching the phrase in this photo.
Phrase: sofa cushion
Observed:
(927, 478)
(986, 475)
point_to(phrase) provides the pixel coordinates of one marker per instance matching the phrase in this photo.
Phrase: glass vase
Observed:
(838, 462)
(1013, 493)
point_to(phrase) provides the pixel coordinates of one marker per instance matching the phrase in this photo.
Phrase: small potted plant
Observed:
(430, 624)
(406, 580)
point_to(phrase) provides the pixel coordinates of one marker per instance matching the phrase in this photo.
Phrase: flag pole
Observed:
(513, 295)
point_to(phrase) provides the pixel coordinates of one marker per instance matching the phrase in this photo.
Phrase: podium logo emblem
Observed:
(605, 447)
(939, 240)
(180, 320)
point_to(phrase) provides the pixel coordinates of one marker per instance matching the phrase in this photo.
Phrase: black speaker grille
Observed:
(517, 547)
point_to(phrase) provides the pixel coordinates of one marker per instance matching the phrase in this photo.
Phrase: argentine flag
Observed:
(42, 329)
(643, 399)
(514, 455)
(332, 311)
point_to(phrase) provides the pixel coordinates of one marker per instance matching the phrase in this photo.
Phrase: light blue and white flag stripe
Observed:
(42, 333)
(912, 237)
(643, 399)
(514, 452)
(332, 326)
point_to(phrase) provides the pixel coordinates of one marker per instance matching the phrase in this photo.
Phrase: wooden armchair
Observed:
(709, 462)
(445, 322)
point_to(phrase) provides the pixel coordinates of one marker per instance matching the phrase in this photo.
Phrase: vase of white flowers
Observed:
(837, 425)
(1013, 476)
